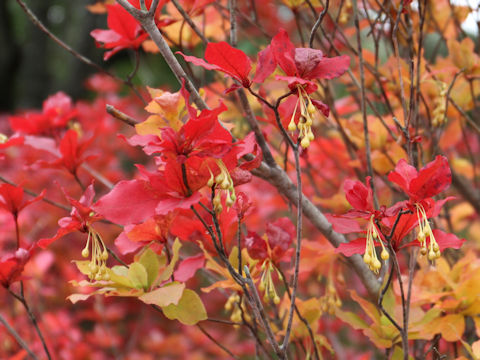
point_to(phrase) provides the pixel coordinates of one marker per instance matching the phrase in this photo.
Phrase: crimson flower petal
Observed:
(189, 267)
(233, 62)
(284, 52)
(265, 66)
(359, 195)
(342, 224)
(329, 68)
(432, 179)
(129, 202)
(356, 246)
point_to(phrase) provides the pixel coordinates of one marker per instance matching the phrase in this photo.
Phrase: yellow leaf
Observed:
(451, 327)
(169, 269)
(74, 298)
(83, 266)
(352, 319)
(151, 126)
(370, 309)
(188, 311)
(462, 53)
(164, 296)
(118, 275)
(476, 349)
(138, 275)
(150, 262)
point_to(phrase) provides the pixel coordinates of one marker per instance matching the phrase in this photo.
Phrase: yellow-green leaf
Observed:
(352, 319)
(150, 262)
(119, 276)
(164, 296)
(398, 354)
(138, 276)
(188, 311)
(82, 266)
(169, 269)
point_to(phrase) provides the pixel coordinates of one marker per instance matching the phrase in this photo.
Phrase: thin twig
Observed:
(17, 337)
(318, 23)
(300, 316)
(34, 194)
(120, 115)
(189, 21)
(148, 23)
(21, 298)
(215, 341)
(297, 250)
(363, 106)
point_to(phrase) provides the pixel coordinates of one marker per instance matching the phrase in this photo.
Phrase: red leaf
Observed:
(359, 195)
(265, 66)
(356, 246)
(189, 267)
(403, 174)
(280, 234)
(232, 61)
(343, 225)
(120, 21)
(444, 240)
(129, 202)
(284, 52)
(432, 179)
(447, 240)
(329, 68)
(256, 246)
(199, 62)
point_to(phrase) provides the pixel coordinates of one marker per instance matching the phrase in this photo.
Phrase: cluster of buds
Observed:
(344, 16)
(425, 231)
(266, 282)
(438, 115)
(237, 306)
(224, 183)
(307, 109)
(330, 301)
(370, 257)
(99, 253)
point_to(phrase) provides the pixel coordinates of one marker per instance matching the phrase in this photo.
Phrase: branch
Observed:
(147, 21)
(120, 115)
(279, 179)
(318, 22)
(189, 21)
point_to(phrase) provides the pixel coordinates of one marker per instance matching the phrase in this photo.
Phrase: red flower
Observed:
(361, 198)
(124, 32)
(280, 235)
(223, 57)
(300, 65)
(57, 111)
(11, 199)
(71, 153)
(80, 219)
(11, 266)
(275, 249)
(420, 186)
(431, 180)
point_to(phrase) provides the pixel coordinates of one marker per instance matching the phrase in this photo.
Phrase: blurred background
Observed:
(33, 66)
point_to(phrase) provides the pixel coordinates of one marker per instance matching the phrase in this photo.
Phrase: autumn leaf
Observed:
(188, 311)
